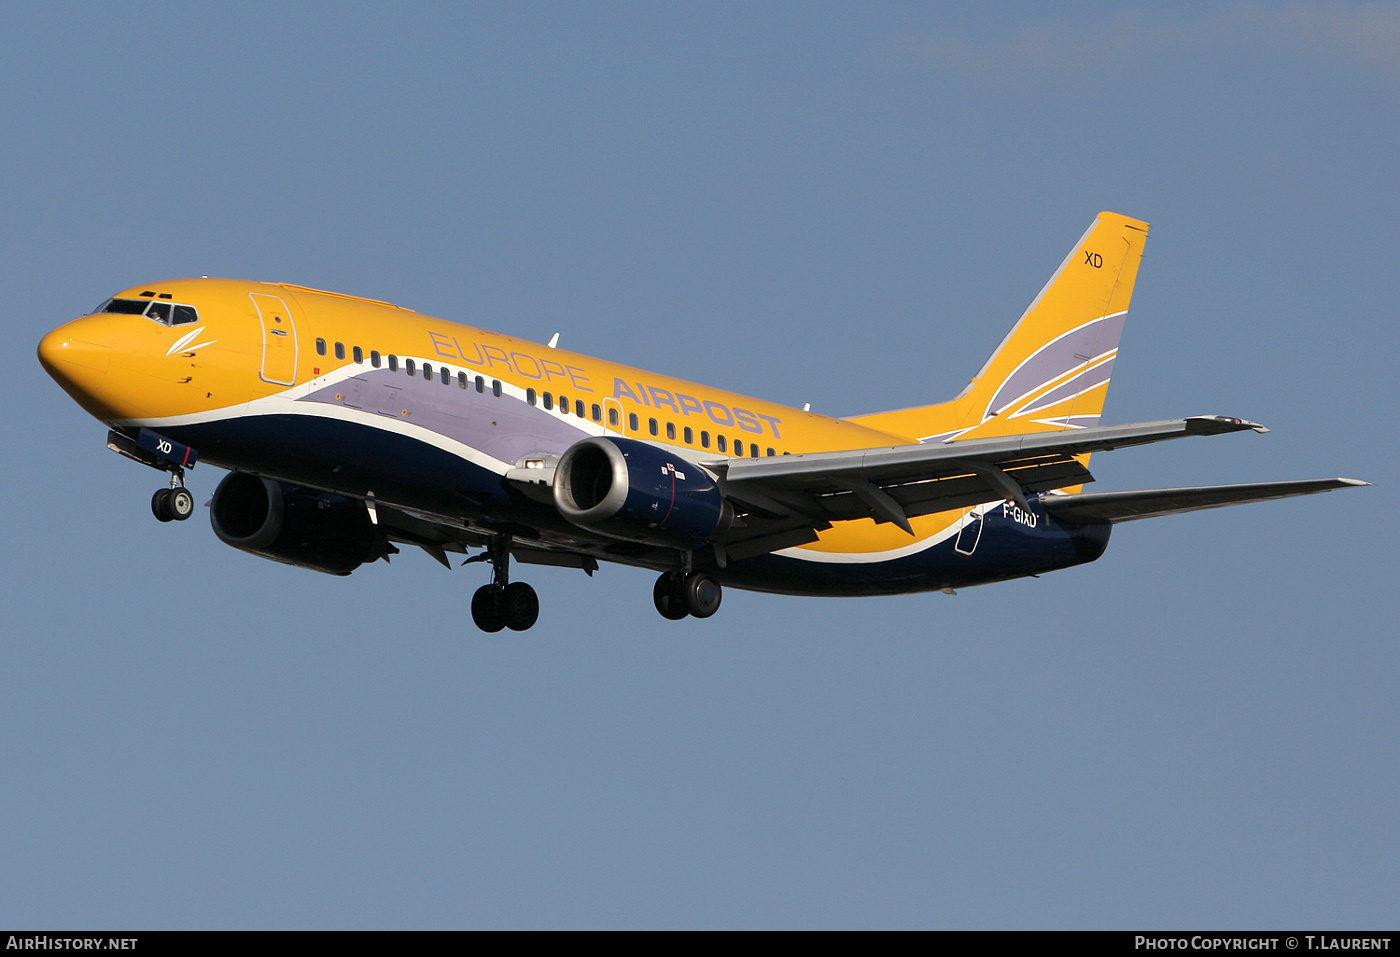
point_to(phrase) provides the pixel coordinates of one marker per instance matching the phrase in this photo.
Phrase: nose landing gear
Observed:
(174, 503)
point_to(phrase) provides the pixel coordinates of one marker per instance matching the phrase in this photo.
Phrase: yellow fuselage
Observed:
(260, 346)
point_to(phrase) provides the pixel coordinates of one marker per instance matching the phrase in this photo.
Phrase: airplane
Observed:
(351, 426)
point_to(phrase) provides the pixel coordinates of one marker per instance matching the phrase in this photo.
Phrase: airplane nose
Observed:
(77, 356)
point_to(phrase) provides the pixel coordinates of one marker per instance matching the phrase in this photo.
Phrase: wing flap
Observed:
(958, 491)
(1114, 507)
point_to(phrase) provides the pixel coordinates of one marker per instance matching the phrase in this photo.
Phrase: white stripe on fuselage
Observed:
(803, 553)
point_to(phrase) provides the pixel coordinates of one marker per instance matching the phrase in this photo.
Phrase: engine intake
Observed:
(317, 530)
(627, 489)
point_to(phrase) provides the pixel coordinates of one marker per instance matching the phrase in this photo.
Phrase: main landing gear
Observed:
(174, 503)
(678, 594)
(503, 603)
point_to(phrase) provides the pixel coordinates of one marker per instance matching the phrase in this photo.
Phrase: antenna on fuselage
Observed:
(554, 341)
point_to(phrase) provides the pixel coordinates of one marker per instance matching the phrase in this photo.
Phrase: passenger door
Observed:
(279, 362)
(971, 532)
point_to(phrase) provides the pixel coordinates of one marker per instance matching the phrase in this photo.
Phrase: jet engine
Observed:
(640, 493)
(296, 526)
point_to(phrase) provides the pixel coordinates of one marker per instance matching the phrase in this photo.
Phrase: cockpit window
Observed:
(165, 313)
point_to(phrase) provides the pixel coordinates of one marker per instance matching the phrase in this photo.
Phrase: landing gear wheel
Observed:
(179, 503)
(520, 606)
(486, 608)
(702, 594)
(668, 599)
(160, 505)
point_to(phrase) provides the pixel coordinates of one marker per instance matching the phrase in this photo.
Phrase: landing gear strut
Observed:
(503, 603)
(678, 594)
(174, 503)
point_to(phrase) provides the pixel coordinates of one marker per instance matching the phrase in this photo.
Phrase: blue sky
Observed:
(846, 205)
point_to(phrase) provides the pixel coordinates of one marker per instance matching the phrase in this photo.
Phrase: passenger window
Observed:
(652, 427)
(738, 447)
(374, 358)
(578, 408)
(496, 388)
(340, 350)
(771, 452)
(704, 440)
(461, 380)
(670, 430)
(185, 314)
(597, 411)
(689, 435)
(428, 371)
(753, 450)
(563, 405)
(612, 418)
(633, 423)
(721, 442)
(359, 355)
(549, 400)
(530, 396)
(393, 363)
(480, 384)
(320, 347)
(410, 367)
(445, 375)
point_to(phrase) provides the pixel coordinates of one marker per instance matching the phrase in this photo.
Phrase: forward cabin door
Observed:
(279, 362)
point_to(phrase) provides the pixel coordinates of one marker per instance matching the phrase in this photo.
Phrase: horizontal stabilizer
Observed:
(1096, 508)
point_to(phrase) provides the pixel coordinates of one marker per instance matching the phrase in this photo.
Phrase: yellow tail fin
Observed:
(1052, 370)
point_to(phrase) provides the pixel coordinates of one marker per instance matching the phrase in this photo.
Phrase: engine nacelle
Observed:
(316, 530)
(634, 491)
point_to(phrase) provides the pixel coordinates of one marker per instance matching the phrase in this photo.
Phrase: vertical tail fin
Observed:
(1052, 370)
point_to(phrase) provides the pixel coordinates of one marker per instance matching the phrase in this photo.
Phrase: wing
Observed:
(1115, 507)
(790, 498)
(785, 501)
